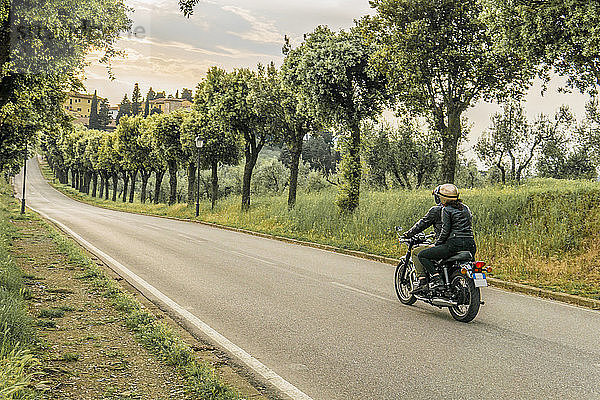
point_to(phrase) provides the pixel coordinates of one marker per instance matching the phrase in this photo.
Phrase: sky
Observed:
(167, 51)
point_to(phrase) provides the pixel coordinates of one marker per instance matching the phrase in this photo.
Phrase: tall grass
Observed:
(16, 326)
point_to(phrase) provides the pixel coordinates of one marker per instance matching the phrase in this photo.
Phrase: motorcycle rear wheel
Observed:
(468, 296)
(403, 282)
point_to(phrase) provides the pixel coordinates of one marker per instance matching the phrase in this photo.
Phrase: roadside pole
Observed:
(24, 176)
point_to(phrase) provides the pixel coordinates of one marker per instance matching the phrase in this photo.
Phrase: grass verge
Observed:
(545, 233)
(17, 360)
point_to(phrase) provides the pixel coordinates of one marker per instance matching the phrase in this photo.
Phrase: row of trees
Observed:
(41, 58)
(559, 147)
(433, 59)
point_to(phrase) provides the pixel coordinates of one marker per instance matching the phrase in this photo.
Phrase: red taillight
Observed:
(478, 267)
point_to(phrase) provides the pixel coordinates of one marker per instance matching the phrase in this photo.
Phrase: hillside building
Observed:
(168, 105)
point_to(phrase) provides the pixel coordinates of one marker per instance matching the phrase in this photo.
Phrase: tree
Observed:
(167, 131)
(221, 142)
(149, 96)
(319, 152)
(41, 56)
(103, 115)
(136, 101)
(220, 146)
(187, 95)
(557, 34)
(245, 94)
(441, 58)
(512, 142)
(93, 120)
(187, 6)
(124, 109)
(407, 154)
(156, 159)
(298, 121)
(334, 76)
(108, 164)
(129, 147)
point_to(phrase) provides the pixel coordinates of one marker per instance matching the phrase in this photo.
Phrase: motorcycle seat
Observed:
(460, 256)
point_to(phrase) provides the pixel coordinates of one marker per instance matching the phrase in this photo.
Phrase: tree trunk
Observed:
(172, 182)
(191, 174)
(81, 182)
(115, 177)
(449, 146)
(248, 168)
(132, 190)
(296, 151)
(101, 191)
(145, 176)
(73, 178)
(125, 185)
(348, 198)
(159, 177)
(94, 183)
(215, 185)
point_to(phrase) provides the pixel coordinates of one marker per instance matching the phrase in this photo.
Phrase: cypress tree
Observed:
(124, 108)
(149, 96)
(103, 115)
(93, 121)
(136, 101)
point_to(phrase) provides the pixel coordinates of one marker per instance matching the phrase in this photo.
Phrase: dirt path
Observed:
(88, 353)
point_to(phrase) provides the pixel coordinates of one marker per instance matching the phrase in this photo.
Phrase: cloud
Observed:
(261, 30)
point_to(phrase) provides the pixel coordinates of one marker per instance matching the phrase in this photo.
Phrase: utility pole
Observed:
(24, 176)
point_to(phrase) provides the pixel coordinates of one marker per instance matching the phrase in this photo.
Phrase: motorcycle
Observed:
(462, 278)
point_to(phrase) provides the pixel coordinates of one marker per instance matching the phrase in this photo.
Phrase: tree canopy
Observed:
(441, 58)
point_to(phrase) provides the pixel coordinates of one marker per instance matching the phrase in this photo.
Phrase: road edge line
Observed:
(262, 370)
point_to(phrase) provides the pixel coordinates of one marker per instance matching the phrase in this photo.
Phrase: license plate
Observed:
(480, 280)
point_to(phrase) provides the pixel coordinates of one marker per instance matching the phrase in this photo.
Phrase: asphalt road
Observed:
(331, 325)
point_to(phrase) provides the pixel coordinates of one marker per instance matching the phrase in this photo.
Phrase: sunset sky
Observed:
(171, 52)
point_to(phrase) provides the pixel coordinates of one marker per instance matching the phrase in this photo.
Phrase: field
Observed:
(543, 233)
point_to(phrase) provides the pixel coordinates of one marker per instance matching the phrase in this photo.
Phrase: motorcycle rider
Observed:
(432, 218)
(456, 234)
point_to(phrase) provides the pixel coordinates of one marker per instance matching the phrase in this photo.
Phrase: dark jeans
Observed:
(444, 251)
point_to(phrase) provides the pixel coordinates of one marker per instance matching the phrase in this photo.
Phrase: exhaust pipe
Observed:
(443, 302)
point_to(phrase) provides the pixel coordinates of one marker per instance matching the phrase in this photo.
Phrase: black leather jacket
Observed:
(433, 217)
(455, 224)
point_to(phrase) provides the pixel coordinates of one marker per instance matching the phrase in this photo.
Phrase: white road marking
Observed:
(258, 367)
(353, 289)
(151, 226)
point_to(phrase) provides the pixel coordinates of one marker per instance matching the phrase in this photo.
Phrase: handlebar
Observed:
(418, 238)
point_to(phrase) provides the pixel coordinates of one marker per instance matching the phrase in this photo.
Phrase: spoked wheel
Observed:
(403, 281)
(468, 297)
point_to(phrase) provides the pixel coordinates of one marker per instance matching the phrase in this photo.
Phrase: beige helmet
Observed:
(447, 191)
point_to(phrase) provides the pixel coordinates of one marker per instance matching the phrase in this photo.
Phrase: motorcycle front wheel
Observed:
(403, 281)
(467, 295)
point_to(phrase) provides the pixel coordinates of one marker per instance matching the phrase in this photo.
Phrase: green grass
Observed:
(70, 357)
(17, 363)
(541, 233)
(51, 313)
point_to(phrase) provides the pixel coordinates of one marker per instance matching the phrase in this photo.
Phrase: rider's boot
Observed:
(421, 284)
(435, 281)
